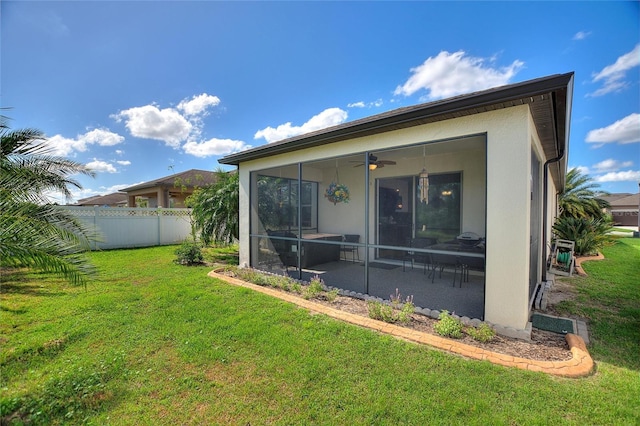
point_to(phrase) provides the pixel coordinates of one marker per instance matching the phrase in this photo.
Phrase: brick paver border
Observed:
(579, 365)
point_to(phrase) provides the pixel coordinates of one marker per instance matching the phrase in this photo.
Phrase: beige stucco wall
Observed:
(509, 138)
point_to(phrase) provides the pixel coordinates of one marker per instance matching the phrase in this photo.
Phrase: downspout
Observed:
(545, 202)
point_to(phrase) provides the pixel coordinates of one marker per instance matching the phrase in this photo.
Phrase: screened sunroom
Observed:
(310, 219)
(450, 202)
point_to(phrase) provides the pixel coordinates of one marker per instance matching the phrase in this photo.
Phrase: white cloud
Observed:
(173, 126)
(119, 152)
(124, 162)
(327, 118)
(150, 122)
(65, 146)
(627, 176)
(118, 187)
(626, 130)
(214, 147)
(101, 166)
(377, 103)
(76, 194)
(198, 104)
(450, 74)
(581, 35)
(610, 165)
(102, 137)
(613, 75)
(582, 169)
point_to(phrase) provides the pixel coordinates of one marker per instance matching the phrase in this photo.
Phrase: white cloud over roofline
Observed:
(360, 104)
(179, 127)
(624, 176)
(623, 131)
(613, 75)
(451, 74)
(610, 164)
(64, 147)
(198, 104)
(151, 122)
(213, 147)
(101, 166)
(327, 118)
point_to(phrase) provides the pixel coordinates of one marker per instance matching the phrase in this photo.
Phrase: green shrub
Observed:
(408, 308)
(189, 253)
(331, 295)
(448, 326)
(380, 311)
(588, 234)
(266, 280)
(483, 333)
(314, 289)
(397, 312)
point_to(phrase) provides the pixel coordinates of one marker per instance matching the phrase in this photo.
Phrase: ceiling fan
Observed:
(374, 163)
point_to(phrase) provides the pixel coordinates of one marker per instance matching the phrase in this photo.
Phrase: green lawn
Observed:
(609, 297)
(151, 342)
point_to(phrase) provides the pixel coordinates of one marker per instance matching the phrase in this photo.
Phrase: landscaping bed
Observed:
(543, 346)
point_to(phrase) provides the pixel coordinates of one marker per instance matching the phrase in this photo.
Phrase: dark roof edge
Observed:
(406, 114)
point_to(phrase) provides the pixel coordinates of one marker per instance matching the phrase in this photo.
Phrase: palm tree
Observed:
(580, 198)
(33, 232)
(216, 207)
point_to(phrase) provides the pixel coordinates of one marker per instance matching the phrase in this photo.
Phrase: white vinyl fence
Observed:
(122, 227)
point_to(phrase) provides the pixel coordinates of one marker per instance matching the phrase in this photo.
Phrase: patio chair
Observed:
(470, 263)
(441, 261)
(416, 256)
(354, 250)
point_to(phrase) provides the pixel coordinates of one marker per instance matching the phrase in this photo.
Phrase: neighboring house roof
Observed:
(631, 200)
(189, 179)
(103, 200)
(615, 196)
(549, 99)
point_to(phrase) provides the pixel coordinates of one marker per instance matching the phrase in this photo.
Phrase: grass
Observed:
(609, 298)
(152, 342)
(622, 230)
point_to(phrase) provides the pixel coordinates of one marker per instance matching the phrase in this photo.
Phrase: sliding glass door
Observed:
(395, 214)
(403, 212)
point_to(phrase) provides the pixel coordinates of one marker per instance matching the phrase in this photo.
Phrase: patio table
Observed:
(317, 253)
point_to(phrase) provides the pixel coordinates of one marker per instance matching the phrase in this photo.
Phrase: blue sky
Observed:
(141, 90)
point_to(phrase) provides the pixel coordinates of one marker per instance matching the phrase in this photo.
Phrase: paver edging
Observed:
(581, 364)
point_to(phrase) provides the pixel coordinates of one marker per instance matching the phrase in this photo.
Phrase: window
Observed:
(277, 203)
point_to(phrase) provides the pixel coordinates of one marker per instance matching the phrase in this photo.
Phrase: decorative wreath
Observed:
(337, 193)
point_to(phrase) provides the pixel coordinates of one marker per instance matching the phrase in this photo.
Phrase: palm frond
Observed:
(34, 233)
